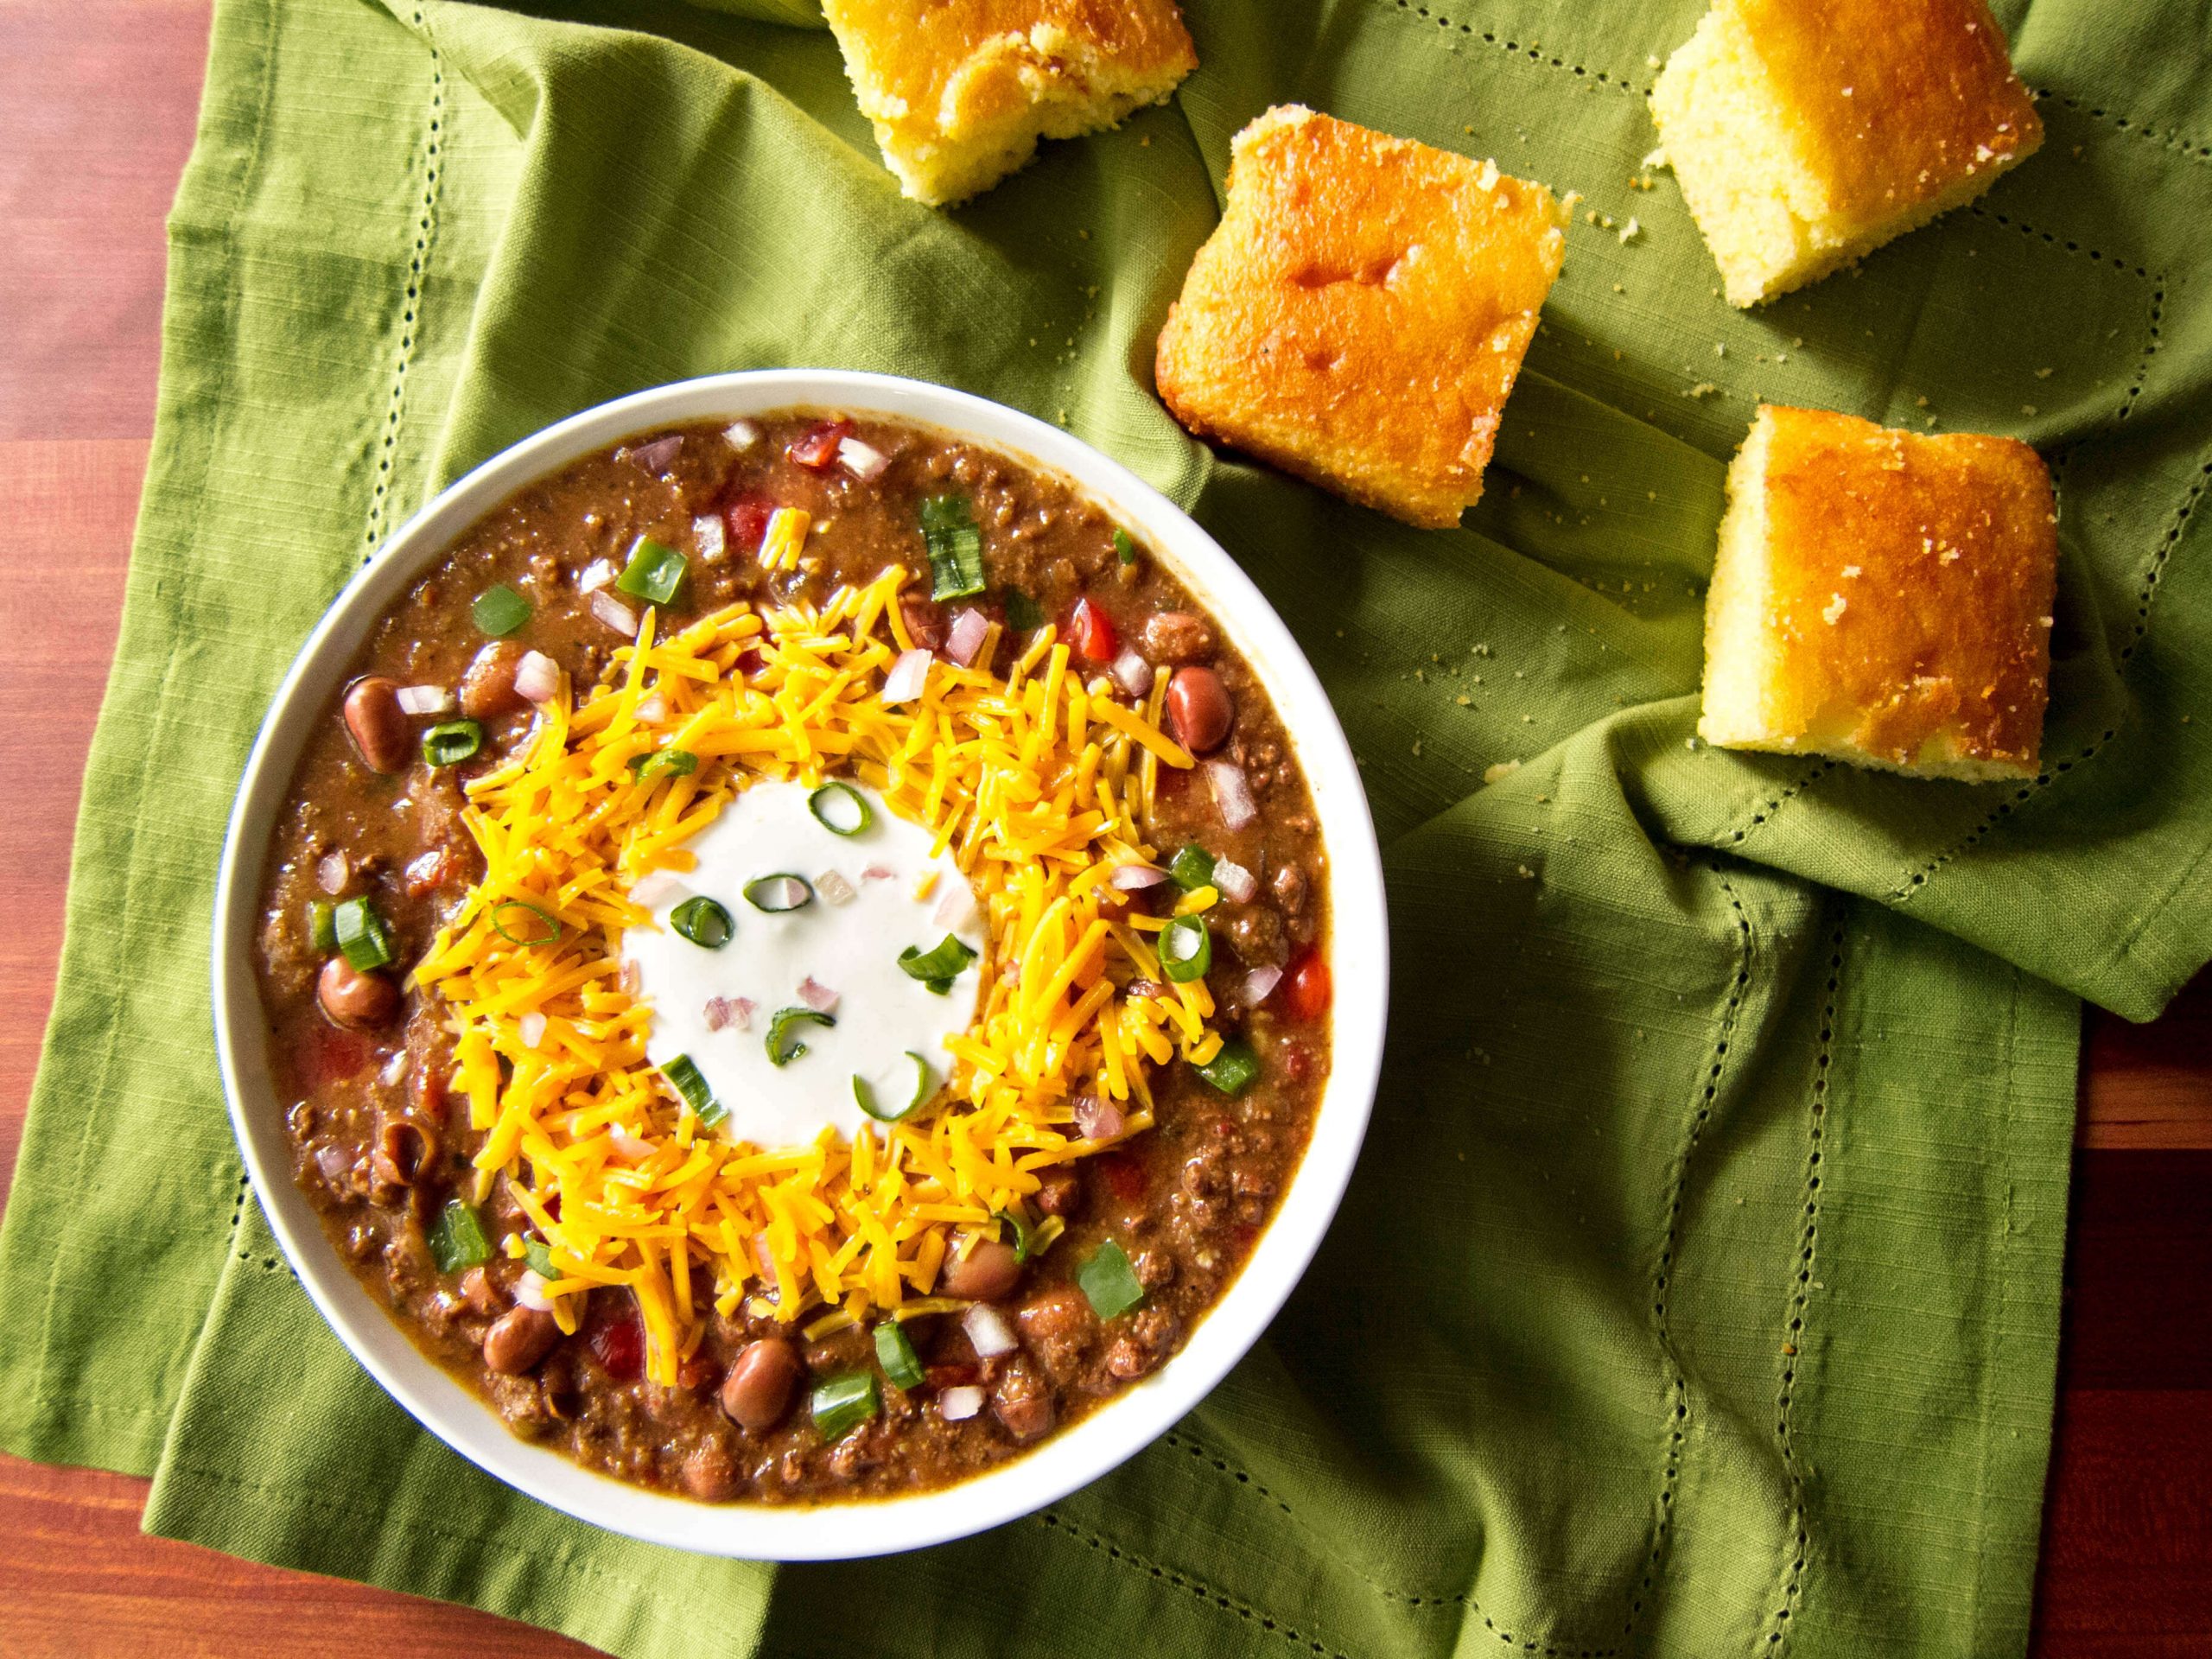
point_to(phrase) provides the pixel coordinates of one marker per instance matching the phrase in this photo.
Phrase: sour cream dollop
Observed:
(850, 948)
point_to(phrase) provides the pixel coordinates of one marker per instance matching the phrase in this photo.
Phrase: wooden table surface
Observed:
(97, 104)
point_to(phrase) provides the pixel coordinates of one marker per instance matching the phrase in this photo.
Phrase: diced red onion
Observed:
(1236, 883)
(652, 710)
(878, 872)
(1259, 983)
(966, 638)
(1137, 987)
(426, 870)
(708, 536)
(1136, 878)
(654, 888)
(395, 1069)
(538, 677)
(628, 1144)
(630, 979)
(958, 1405)
(1099, 1118)
(958, 908)
(334, 1162)
(1133, 674)
(816, 995)
(330, 873)
(729, 1011)
(425, 700)
(656, 456)
(531, 1028)
(742, 434)
(862, 460)
(530, 1291)
(1231, 793)
(596, 575)
(988, 1331)
(907, 676)
(613, 612)
(833, 887)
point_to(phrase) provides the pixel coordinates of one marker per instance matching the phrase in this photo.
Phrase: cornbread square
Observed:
(1805, 136)
(960, 91)
(1359, 315)
(1883, 598)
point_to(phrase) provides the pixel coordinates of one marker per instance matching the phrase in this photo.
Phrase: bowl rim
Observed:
(1110, 1434)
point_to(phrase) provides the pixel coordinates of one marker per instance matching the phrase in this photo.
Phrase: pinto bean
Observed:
(378, 725)
(925, 619)
(518, 1339)
(984, 1274)
(356, 1001)
(711, 1474)
(1200, 709)
(1023, 1402)
(404, 1149)
(488, 691)
(759, 1387)
(1176, 637)
(478, 1294)
(1059, 1190)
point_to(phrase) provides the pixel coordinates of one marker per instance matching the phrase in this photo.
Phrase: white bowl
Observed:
(1110, 1434)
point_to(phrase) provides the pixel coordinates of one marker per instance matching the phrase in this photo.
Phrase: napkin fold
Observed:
(1697, 1292)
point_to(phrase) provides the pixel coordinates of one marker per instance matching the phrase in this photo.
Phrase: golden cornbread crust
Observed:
(960, 91)
(1805, 136)
(1359, 315)
(1884, 598)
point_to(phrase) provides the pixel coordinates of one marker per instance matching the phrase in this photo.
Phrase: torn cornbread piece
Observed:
(1359, 315)
(1806, 136)
(1883, 598)
(960, 91)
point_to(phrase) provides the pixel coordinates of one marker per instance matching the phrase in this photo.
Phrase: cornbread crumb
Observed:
(1359, 316)
(959, 91)
(1804, 137)
(1937, 664)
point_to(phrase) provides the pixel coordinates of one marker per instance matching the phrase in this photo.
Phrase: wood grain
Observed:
(97, 102)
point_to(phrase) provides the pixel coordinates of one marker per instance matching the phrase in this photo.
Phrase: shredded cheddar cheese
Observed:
(1039, 783)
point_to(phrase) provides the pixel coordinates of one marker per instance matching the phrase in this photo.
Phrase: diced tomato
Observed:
(746, 517)
(693, 1372)
(952, 1376)
(749, 661)
(332, 1056)
(1092, 632)
(1304, 994)
(1172, 781)
(1123, 1174)
(621, 1345)
(430, 872)
(817, 446)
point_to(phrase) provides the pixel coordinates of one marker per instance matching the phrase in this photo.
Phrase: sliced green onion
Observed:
(452, 742)
(783, 1047)
(841, 809)
(937, 969)
(517, 913)
(777, 893)
(654, 572)
(662, 763)
(361, 934)
(1022, 614)
(703, 922)
(500, 611)
(457, 1240)
(1185, 950)
(1108, 1281)
(894, 1351)
(1234, 1070)
(682, 1075)
(1124, 548)
(1015, 1225)
(539, 1254)
(712, 1113)
(843, 1401)
(1192, 868)
(924, 1087)
(956, 547)
(322, 932)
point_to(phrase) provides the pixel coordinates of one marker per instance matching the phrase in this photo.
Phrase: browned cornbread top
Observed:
(1892, 100)
(1911, 580)
(1360, 313)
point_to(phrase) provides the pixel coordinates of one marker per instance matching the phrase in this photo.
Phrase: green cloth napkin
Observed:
(1697, 1293)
